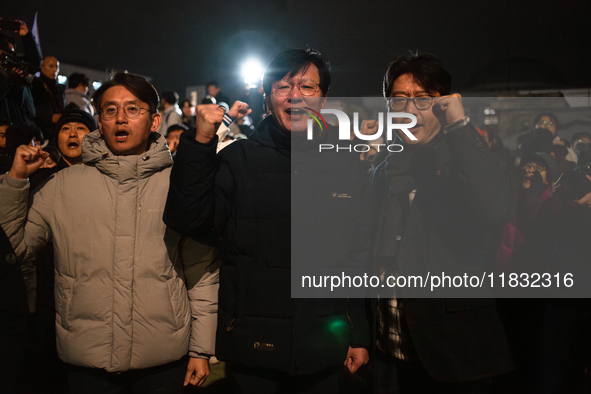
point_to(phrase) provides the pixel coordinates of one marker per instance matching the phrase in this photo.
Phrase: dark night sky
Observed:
(181, 42)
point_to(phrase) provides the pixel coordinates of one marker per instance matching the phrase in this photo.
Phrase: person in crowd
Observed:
(124, 317)
(13, 311)
(560, 237)
(581, 136)
(76, 93)
(173, 136)
(241, 196)
(495, 143)
(171, 113)
(4, 124)
(16, 101)
(580, 142)
(541, 140)
(53, 158)
(521, 317)
(16, 135)
(188, 113)
(254, 97)
(48, 95)
(214, 94)
(440, 200)
(230, 129)
(539, 173)
(246, 126)
(71, 128)
(549, 121)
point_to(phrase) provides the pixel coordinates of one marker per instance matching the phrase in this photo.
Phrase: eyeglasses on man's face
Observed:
(400, 103)
(534, 167)
(544, 124)
(132, 111)
(306, 87)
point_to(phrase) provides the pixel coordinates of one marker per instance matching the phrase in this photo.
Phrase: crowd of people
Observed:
(143, 236)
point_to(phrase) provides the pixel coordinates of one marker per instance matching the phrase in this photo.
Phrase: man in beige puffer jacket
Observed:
(124, 317)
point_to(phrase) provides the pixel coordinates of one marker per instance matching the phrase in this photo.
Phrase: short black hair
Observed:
(182, 104)
(576, 136)
(212, 83)
(545, 160)
(170, 97)
(19, 134)
(76, 79)
(54, 152)
(4, 122)
(292, 62)
(138, 85)
(176, 127)
(425, 69)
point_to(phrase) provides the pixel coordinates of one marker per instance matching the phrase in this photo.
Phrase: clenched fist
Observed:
(27, 160)
(209, 118)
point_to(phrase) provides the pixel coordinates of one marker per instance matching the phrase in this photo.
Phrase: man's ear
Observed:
(156, 119)
(267, 103)
(100, 125)
(323, 103)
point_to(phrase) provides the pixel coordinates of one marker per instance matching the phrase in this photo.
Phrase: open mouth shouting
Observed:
(121, 136)
(295, 113)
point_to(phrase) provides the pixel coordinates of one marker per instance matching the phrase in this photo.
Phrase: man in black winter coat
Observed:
(49, 96)
(440, 201)
(274, 343)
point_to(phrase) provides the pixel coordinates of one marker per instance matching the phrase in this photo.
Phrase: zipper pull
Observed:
(232, 325)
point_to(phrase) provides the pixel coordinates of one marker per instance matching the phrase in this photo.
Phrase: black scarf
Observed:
(402, 170)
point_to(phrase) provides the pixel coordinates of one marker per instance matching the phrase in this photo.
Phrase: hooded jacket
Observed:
(121, 299)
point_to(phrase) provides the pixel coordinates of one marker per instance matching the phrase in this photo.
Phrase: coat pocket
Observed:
(179, 302)
(64, 290)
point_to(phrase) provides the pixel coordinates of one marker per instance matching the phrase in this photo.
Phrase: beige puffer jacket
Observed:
(121, 301)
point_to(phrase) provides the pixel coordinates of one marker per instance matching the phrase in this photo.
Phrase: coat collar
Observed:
(95, 152)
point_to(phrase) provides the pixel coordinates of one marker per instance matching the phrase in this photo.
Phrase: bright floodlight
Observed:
(252, 72)
(62, 79)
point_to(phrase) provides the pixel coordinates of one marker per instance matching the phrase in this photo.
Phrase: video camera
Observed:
(575, 184)
(14, 68)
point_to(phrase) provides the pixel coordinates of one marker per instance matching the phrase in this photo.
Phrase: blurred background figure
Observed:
(49, 96)
(549, 121)
(214, 94)
(3, 126)
(255, 100)
(171, 114)
(188, 113)
(16, 101)
(173, 136)
(17, 135)
(497, 147)
(580, 142)
(76, 93)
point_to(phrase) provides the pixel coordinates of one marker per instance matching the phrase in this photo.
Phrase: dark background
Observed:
(486, 45)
